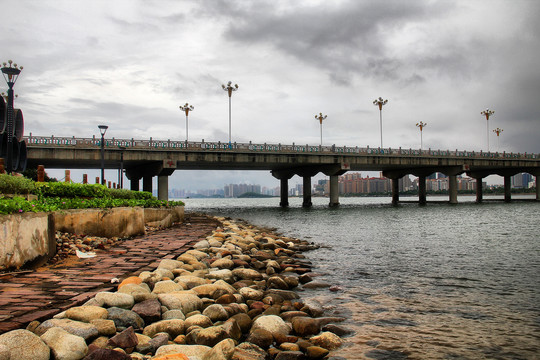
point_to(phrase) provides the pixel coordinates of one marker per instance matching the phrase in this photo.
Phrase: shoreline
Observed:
(240, 274)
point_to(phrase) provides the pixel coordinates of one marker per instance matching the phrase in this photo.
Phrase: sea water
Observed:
(438, 281)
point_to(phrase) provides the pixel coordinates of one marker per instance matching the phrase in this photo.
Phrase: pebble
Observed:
(231, 296)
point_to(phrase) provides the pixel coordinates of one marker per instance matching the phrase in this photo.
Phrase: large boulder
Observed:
(64, 345)
(271, 323)
(223, 350)
(116, 299)
(327, 340)
(216, 312)
(84, 330)
(172, 327)
(188, 350)
(125, 318)
(25, 345)
(86, 313)
(182, 301)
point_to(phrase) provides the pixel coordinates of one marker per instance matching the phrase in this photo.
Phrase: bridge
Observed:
(144, 159)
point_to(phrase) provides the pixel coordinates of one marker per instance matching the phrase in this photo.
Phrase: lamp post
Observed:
(421, 125)
(187, 108)
(11, 72)
(229, 88)
(487, 113)
(320, 117)
(498, 131)
(121, 174)
(103, 130)
(380, 102)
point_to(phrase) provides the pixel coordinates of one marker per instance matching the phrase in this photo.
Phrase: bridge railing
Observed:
(112, 143)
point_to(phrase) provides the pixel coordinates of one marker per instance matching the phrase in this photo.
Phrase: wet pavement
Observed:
(38, 295)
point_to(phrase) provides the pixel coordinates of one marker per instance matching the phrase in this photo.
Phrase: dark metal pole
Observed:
(102, 159)
(121, 170)
(10, 114)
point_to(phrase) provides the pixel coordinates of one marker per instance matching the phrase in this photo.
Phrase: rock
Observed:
(244, 322)
(249, 351)
(316, 352)
(188, 350)
(125, 339)
(261, 337)
(105, 327)
(117, 299)
(251, 294)
(64, 346)
(172, 357)
(148, 310)
(221, 351)
(198, 320)
(216, 312)
(210, 336)
(275, 282)
(4, 352)
(338, 330)
(206, 290)
(316, 284)
(304, 326)
(191, 281)
(173, 327)
(223, 263)
(130, 280)
(150, 345)
(223, 274)
(284, 294)
(305, 278)
(226, 299)
(84, 330)
(290, 355)
(313, 307)
(203, 244)
(271, 323)
(139, 292)
(99, 342)
(199, 255)
(247, 274)
(166, 286)
(24, 345)
(125, 318)
(288, 315)
(182, 301)
(106, 354)
(86, 313)
(170, 264)
(173, 314)
(287, 346)
(327, 340)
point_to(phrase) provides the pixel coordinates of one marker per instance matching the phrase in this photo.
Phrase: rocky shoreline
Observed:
(230, 297)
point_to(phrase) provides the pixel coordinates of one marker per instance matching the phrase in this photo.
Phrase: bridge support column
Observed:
(284, 192)
(395, 191)
(422, 189)
(334, 190)
(134, 184)
(479, 190)
(537, 187)
(452, 189)
(507, 187)
(163, 187)
(307, 191)
(147, 183)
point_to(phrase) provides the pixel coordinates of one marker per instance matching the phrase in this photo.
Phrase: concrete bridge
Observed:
(144, 159)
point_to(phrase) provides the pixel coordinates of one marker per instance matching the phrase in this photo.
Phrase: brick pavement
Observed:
(40, 294)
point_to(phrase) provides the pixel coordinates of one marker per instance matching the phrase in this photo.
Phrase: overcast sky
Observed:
(130, 64)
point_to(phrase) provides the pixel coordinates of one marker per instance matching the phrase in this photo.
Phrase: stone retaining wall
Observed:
(30, 237)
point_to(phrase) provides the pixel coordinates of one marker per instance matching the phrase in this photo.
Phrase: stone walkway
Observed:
(40, 294)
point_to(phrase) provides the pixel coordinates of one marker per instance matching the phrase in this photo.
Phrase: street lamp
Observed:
(121, 174)
(487, 113)
(380, 102)
(103, 130)
(498, 131)
(229, 88)
(11, 74)
(320, 117)
(421, 125)
(187, 108)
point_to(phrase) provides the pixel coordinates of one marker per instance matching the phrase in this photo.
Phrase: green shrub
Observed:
(16, 185)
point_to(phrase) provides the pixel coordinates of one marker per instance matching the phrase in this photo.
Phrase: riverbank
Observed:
(230, 296)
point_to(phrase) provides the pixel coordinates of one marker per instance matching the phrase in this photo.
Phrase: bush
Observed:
(16, 185)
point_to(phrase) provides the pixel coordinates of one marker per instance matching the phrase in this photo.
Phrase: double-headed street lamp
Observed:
(11, 73)
(487, 113)
(229, 88)
(320, 117)
(187, 108)
(498, 131)
(103, 130)
(421, 125)
(380, 102)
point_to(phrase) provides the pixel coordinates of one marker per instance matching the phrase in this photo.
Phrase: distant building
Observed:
(235, 190)
(522, 181)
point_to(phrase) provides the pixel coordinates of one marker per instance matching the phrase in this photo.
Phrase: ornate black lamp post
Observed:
(229, 88)
(320, 117)
(103, 130)
(11, 73)
(421, 126)
(187, 108)
(487, 113)
(380, 102)
(498, 131)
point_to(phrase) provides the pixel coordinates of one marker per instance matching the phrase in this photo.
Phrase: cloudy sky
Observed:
(130, 64)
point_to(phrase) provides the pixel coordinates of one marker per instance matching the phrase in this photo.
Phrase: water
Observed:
(419, 282)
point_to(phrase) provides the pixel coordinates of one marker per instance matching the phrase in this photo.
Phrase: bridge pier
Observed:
(479, 190)
(452, 189)
(334, 190)
(395, 191)
(422, 189)
(537, 188)
(134, 184)
(283, 176)
(307, 191)
(147, 183)
(507, 188)
(163, 187)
